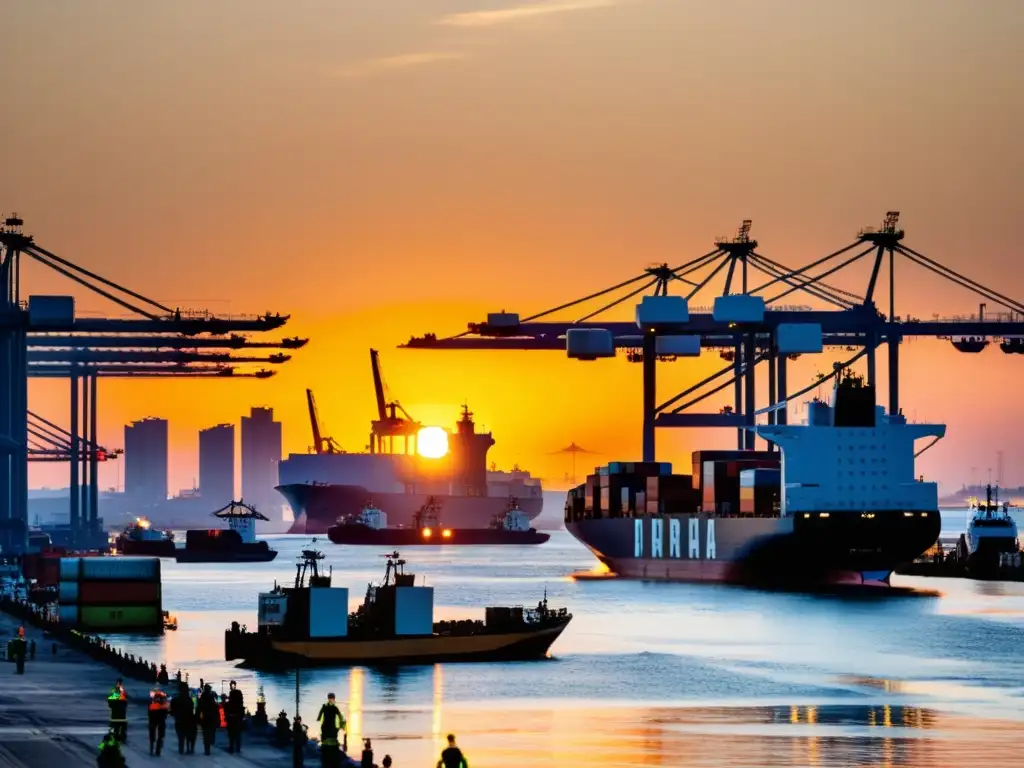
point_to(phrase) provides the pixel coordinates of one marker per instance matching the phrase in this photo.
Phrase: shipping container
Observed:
(119, 593)
(68, 614)
(760, 492)
(328, 612)
(120, 568)
(414, 610)
(67, 592)
(70, 568)
(125, 617)
(273, 608)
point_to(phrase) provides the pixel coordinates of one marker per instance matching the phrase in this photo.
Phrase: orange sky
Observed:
(388, 168)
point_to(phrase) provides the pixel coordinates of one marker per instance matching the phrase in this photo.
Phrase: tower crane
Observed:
(321, 443)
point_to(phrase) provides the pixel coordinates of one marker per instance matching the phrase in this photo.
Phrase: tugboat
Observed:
(990, 532)
(370, 527)
(140, 538)
(235, 544)
(308, 624)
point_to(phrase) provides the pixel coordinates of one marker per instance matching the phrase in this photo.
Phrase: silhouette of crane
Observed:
(572, 449)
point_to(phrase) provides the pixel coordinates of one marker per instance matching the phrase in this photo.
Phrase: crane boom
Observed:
(378, 385)
(314, 422)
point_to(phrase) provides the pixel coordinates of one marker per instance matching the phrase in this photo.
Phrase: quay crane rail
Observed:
(751, 332)
(42, 337)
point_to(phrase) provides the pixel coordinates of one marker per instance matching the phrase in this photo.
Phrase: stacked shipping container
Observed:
(111, 594)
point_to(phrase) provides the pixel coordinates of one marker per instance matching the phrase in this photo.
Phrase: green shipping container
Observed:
(120, 617)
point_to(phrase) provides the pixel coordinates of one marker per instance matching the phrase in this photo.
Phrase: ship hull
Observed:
(786, 552)
(362, 535)
(318, 507)
(258, 653)
(147, 548)
(229, 556)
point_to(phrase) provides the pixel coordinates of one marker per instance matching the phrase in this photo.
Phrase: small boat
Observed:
(170, 622)
(990, 532)
(308, 624)
(141, 538)
(235, 544)
(370, 527)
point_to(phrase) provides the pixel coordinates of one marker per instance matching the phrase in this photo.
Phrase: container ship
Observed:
(371, 528)
(308, 624)
(405, 466)
(841, 505)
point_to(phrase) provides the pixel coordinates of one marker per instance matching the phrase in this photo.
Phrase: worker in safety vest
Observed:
(332, 722)
(110, 755)
(159, 708)
(117, 700)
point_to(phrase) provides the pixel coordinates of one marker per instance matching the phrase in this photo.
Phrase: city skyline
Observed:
(511, 158)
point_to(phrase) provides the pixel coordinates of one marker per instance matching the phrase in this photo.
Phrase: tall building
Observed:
(217, 465)
(261, 453)
(145, 461)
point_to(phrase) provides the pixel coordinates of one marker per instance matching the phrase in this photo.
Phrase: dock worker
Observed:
(452, 757)
(209, 717)
(117, 701)
(159, 708)
(234, 711)
(332, 722)
(110, 755)
(183, 711)
(299, 739)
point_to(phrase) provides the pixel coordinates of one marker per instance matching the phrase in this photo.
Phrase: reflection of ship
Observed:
(310, 625)
(370, 527)
(329, 484)
(850, 507)
(140, 538)
(235, 544)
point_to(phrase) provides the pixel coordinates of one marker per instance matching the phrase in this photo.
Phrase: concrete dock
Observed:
(56, 714)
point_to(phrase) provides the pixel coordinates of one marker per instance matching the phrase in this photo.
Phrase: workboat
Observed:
(235, 544)
(141, 538)
(990, 532)
(308, 624)
(406, 464)
(842, 506)
(370, 527)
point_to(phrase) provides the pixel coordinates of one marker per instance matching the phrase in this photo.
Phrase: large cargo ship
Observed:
(847, 507)
(405, 466)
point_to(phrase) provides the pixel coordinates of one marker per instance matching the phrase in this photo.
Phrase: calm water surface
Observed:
(652, 674)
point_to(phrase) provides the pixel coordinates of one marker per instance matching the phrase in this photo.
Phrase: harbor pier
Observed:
(56, 714)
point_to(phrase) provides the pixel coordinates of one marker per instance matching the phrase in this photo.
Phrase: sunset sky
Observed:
(385, 168)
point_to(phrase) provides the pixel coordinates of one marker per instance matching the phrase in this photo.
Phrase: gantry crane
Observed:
(41, 336)
(748, 327)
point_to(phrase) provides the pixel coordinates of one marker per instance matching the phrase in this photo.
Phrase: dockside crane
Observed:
(42, 336)
(748, 327)
(388, 425)
(321, 443)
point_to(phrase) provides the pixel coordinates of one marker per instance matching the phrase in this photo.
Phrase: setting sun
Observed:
(432, 442)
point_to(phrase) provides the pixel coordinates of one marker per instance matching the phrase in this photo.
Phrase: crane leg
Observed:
(650, 390)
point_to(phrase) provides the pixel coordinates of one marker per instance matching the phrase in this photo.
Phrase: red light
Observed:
(101, 455)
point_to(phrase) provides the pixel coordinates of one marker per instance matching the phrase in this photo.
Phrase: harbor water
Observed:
(648, 673)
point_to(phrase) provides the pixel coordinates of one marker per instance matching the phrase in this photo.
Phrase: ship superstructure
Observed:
(850, 508)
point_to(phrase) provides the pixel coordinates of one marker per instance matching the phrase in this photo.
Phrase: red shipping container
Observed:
(118, 593)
